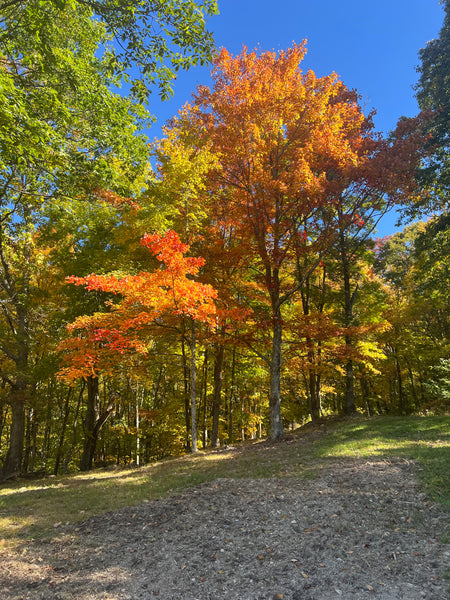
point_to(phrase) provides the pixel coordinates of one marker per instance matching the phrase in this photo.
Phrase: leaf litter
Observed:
(362, 529)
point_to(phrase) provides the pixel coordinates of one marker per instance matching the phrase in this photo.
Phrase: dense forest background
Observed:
(239, 286)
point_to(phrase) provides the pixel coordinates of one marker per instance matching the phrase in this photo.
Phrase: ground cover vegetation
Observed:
(237, 289)
(75, 498)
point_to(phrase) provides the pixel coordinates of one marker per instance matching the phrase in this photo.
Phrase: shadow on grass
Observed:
(48, 502)
(34, 508)
(422, 439)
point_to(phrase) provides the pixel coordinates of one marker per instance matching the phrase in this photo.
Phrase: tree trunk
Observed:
(27, 464)
(74, 431)
(187, 410)
(13, 461)
(3, 417)
(93, 423)
(313, 384)
(193, 389)
(313, 380)
(276, 425)
(89, 424)
(205, 401)
(138, 424)
(45, 450)
(349, 301)
(232, 391)
(218, 379)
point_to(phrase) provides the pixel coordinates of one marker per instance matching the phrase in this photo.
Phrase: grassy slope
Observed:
(33, 508)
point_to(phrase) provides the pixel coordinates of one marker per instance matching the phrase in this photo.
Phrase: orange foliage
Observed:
(147, 300)
(290, 145)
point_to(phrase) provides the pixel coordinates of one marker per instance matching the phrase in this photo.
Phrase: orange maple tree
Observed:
(147, 300)
(290, 147)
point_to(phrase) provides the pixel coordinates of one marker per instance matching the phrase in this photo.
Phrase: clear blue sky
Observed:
(373, 47)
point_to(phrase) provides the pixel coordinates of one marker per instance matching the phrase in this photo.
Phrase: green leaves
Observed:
(157, 37)
(59, 121)
(433, 93)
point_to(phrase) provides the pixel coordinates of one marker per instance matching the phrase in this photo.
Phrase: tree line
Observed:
(224, 282)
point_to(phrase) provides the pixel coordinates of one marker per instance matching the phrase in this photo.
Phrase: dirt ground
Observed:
(360, 530)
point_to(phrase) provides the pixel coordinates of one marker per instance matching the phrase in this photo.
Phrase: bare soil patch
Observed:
(359, 530)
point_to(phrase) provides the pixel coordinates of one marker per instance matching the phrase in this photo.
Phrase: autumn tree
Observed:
(179, 191)
(414, 264)
(148, 301)
(289, 146)
(58, 148)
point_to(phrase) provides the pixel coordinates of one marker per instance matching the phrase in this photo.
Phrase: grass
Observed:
(33, 509)
(423, 439)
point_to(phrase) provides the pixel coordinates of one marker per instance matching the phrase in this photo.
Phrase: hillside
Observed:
(339, 510)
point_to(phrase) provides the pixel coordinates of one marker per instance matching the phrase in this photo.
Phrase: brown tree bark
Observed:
(13, 460)
(231, 397)
(313, 377)
(93, 422)
(204, 393)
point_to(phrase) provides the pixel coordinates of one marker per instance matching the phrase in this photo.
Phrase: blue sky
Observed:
(372, 46)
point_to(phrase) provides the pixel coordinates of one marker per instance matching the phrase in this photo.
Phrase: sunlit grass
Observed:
(50, 503)
(423, 439)
(39, 508)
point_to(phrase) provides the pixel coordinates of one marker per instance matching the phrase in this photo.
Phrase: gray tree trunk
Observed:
(193, 390)
(276, 425)
(218, 379)
(187, 410)
(349, 301)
